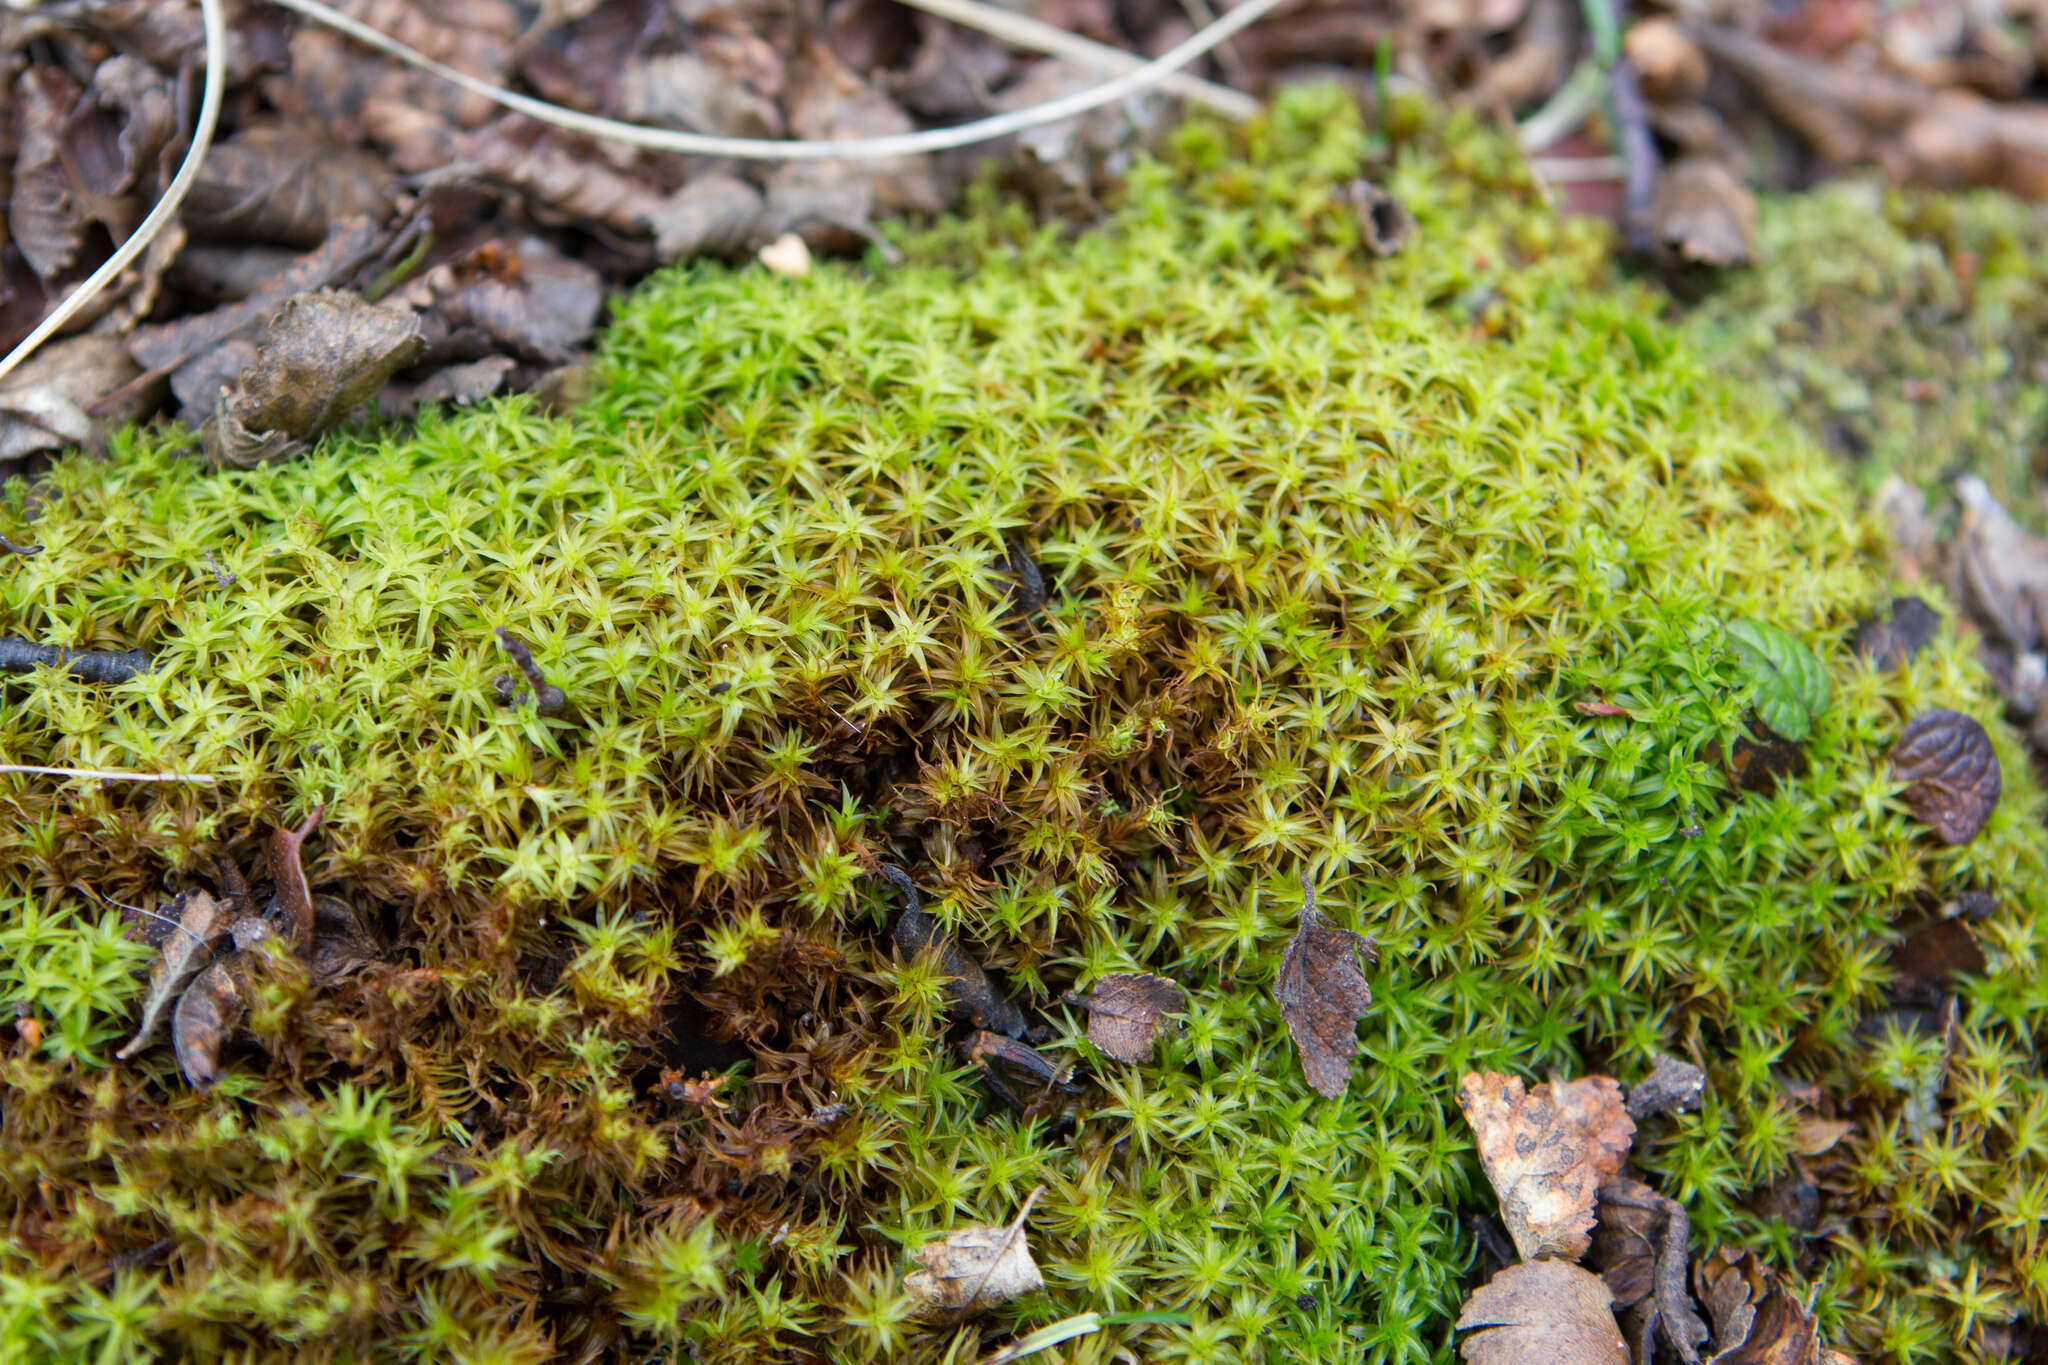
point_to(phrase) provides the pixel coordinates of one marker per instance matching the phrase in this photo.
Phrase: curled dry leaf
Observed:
(1951, 772)
(2000, 571)
(322, 357)
(1127, 1012)
(1672, 1087)
(712, 215)
(274, 182)
(1703, 215)
(50, 403)
(679, 90)
(186, 949)
(975, 1267)
(1756, 1322)
(1322, 995)
(1812, 1135)
(1542, 1313)
(520, 296)
(206, 1017)
(1384, 223)
(1892, 642)
(1547, 1152)
(1639, 1247)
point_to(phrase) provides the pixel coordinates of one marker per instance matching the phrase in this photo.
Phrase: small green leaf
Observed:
(1791, 686)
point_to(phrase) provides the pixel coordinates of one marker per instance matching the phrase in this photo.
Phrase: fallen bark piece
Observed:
(1322, 995)
(1547, 1152)
(1951, 772)
(1542, 1313)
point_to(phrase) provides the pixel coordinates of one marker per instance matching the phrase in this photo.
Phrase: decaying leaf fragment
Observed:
(1639, 1247)
(207, 1014)
(1128, 1011)
(1951, 771)
(1756, 1322)
(1891, 643)
(1542, 1313)
(188, 949)
(1547, 1152)
(1323, 994)
(975, 1267)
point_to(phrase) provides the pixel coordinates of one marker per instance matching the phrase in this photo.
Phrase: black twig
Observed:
(93, 665)
(1638, 156)
(9, 547)
(548, 699)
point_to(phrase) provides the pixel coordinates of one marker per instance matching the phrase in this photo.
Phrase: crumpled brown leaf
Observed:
(1639, 1246)
(1128, 1011)
(48, 403)
(713, 215)
(828, 202)
(207, 1015)
(1547, 1152)
(974, 1267)
(520, 296)
(274, 182)
(2000, 570)
(1542, 1313)
(186, 948)
(681, 90)
(1322, 995)
(1703, 215)
(1951, 772)
(322, 357)
(335, 83)
(1756, 1322)
(562, 177)
(1893, 641)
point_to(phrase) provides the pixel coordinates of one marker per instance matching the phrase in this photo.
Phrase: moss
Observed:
(1907, 330)
(1332, 545)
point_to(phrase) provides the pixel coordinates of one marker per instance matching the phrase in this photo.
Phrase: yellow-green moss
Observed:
(1334, 544)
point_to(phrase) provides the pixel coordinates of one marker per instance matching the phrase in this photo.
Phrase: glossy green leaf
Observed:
(1791, 686)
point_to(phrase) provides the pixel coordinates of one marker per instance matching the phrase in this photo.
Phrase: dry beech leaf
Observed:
(322, 357)
(1756, 1322)
(1322, 995)
(187, 950)
(1951, 772)
(712, 215)
(1811, 1136)
(1703, 215)
(1672, 1087)
(206, 1017)
(1547, 1152)
(1127, 1012)
(975, 1267)
(1542, 1313)
(1639, 1246)
(51, 402)
(275, 182)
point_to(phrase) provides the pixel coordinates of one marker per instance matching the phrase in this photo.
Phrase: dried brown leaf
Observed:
(274, 182)
(1547, 1152)
(680, 90)
(1128, 1011)
(1639, 1246)
(1756, 1322)
(1703, 215)
(1892, 642)
(321, 358)
(1542, 1313)
(1669, 64)
(713, 215)
(2000, 571)
(206, 1017)
(973, 1268)
(1932, 953)
(49, 403)
(565, 179)
(293, 897)
(520, 296)
(1672, 1087)
(1322, 995)
(186, 950)
(457, 386)
(1951, 772)
(44, 214)
(332, 78)
(1811, 1135)
(1839, 111)
(341, 942)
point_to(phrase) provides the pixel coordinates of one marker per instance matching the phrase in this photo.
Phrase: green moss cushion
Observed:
(1333, 546)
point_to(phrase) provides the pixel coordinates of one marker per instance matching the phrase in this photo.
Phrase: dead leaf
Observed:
(1672, 1087)
(457, 386)
(1755, 1321)
(787, 255)
(955, 73)
(49, 403)
(321, 358)
(713, 215)
(333, 80)
(1601, 708)
(1840, 112)
(2000, 570)
(206, 1017)
(520, 296)
(1812, 1135)
(1962, 139)
(565, 179)
(187, 949)
(1760, 760)
(1547, 1152)
(1929, 957)
(1128, 1011)
(1640, 1248)
(1384, 223)
(1893, 642)
(975, 1267)
(47, 222)
(274, 182)
(1951, 771)
(831, 203)
(1542, 1313)
(970, 991)
(341, 943)
(680, 90)
(1322, 995)
(292, 899)
(1703, 215)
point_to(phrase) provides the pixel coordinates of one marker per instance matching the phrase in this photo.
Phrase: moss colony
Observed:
(1333, 545)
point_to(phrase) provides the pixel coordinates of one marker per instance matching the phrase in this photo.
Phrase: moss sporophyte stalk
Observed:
(1327, 561)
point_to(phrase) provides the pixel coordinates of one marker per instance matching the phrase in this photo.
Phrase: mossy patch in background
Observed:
(1333, 545)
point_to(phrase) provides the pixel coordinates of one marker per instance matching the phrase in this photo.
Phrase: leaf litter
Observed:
(1128, 1011)
(1323, 994)
(1547, 1151)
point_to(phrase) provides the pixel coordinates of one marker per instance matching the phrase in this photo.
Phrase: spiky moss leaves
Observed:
(1332, 547)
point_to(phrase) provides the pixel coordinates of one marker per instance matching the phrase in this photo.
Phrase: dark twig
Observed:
(971, 992)
(11, 548)
(547, 698)
(23, 656)
(1638, 155)
(221, 577)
